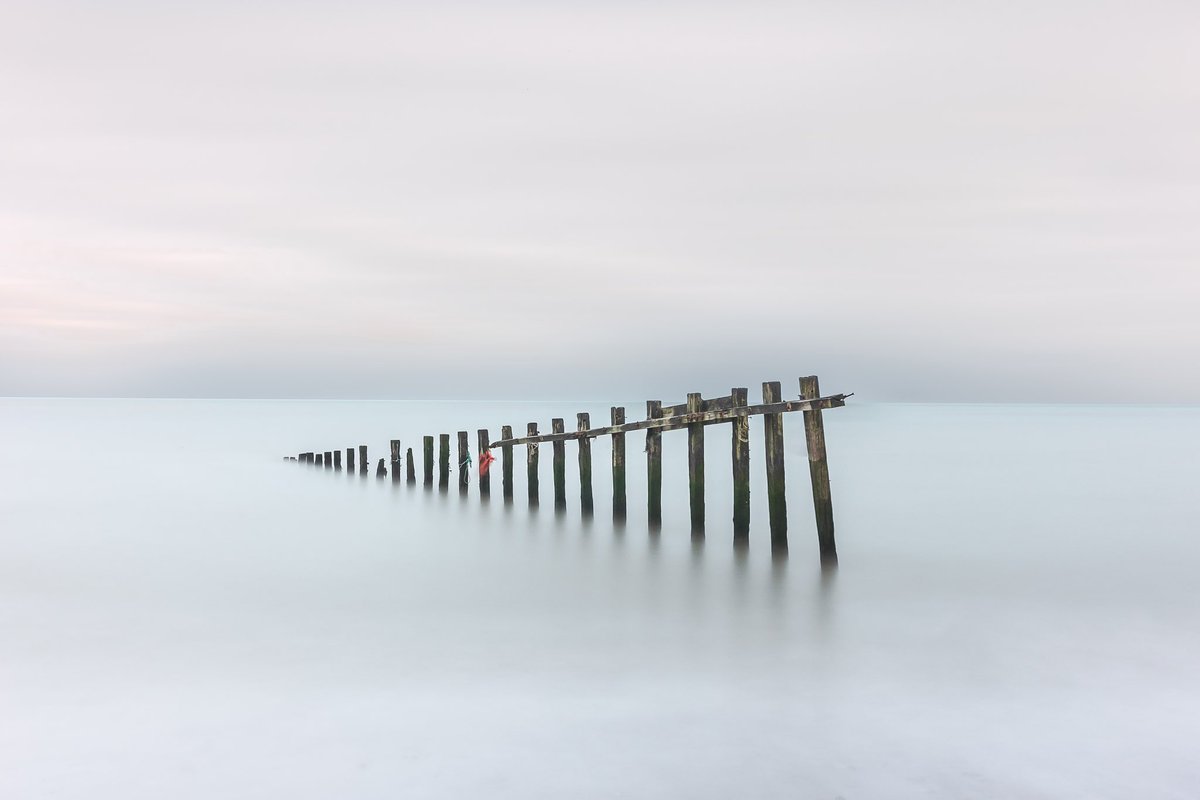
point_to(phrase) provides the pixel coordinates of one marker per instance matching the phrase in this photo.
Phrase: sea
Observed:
(186, 614)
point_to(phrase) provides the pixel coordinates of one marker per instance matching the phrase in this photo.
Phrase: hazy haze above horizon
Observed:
(959, 201)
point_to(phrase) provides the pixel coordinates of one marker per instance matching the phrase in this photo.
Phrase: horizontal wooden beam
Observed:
(683, 420)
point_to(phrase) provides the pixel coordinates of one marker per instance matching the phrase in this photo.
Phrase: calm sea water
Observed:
(185, 615)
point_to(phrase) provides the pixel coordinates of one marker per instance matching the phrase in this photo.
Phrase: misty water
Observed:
(184, 614)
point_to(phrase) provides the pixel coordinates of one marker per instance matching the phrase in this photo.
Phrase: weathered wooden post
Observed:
(410, 468)
(617, 417)
(337, 460)
(395, 460)
(485, 478)
(464, 460)
(695, 405)
(320, 459)
(307, 458)
(776, 487)
(654, 466)
(506, 464)
(350, 460)
(741, 471)
(818, 469)
(381, 470)
(531, 465)
(584, 422)
(559, 448)
(428, 446)
(443, 460)
(328, 459)
(363, 463)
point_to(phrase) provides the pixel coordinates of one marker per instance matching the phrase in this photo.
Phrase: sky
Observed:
(924, 201)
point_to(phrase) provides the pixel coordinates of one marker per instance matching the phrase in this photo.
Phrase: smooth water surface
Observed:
(183, 614)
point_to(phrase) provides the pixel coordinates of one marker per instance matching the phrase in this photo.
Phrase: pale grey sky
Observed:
(918, 201)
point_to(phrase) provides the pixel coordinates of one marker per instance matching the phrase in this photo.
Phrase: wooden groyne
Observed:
(694, 415)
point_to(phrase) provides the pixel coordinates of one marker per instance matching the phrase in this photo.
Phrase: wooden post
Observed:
(584, 422)
(428, 447)
(506, 463)
(320, 459)
(696, 466)
(307, 458)
(395, 460)
(363, 463)
(741, 472)
(776, 486)
(485, 479)
(617, 417)
(560, 466)
(654, 466)
(337, 460)
(328, 459)
(464, 459)
(381, 470)
(350, 459)
(818, 469)
(410, 469)
(443, 460)
(531, 465)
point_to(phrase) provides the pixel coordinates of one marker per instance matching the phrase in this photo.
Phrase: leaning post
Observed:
(818, 470)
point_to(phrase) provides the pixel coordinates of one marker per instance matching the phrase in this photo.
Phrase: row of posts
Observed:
(740, 455)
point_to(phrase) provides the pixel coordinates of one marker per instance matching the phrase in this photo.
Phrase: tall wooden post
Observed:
(395, 460)
(531, 465)
(506, 464)
(696, 466)
(320, 459)
(410, 468)
(328, 459)
(464, 460)
(350, 459)
(443, 460)
(818, 469)
(741, 472)
(363, 463)
(485, 478)
(776, 486)
(559, 449)
(654, 466)
(617, 417)
(337, 460)
(427, 447)
(584, 421)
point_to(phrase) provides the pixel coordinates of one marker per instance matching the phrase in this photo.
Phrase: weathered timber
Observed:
(395, 460)
(427, 446)
(741, 473)
(363, 463)
(654, 465)
(711, 404)
(381, 470)
(320, 459)
(307, 458)
(464, 461)
(506, 464)
(350, 459)
(485, 479)
(696, 467)
(531, 464)
(776, 487)
(410, 467)
(337, 460)
(443, 460)
(559, 471)
(586, 505)
(617, 416)
(682, 421)
(818, 469)
(328, 459)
